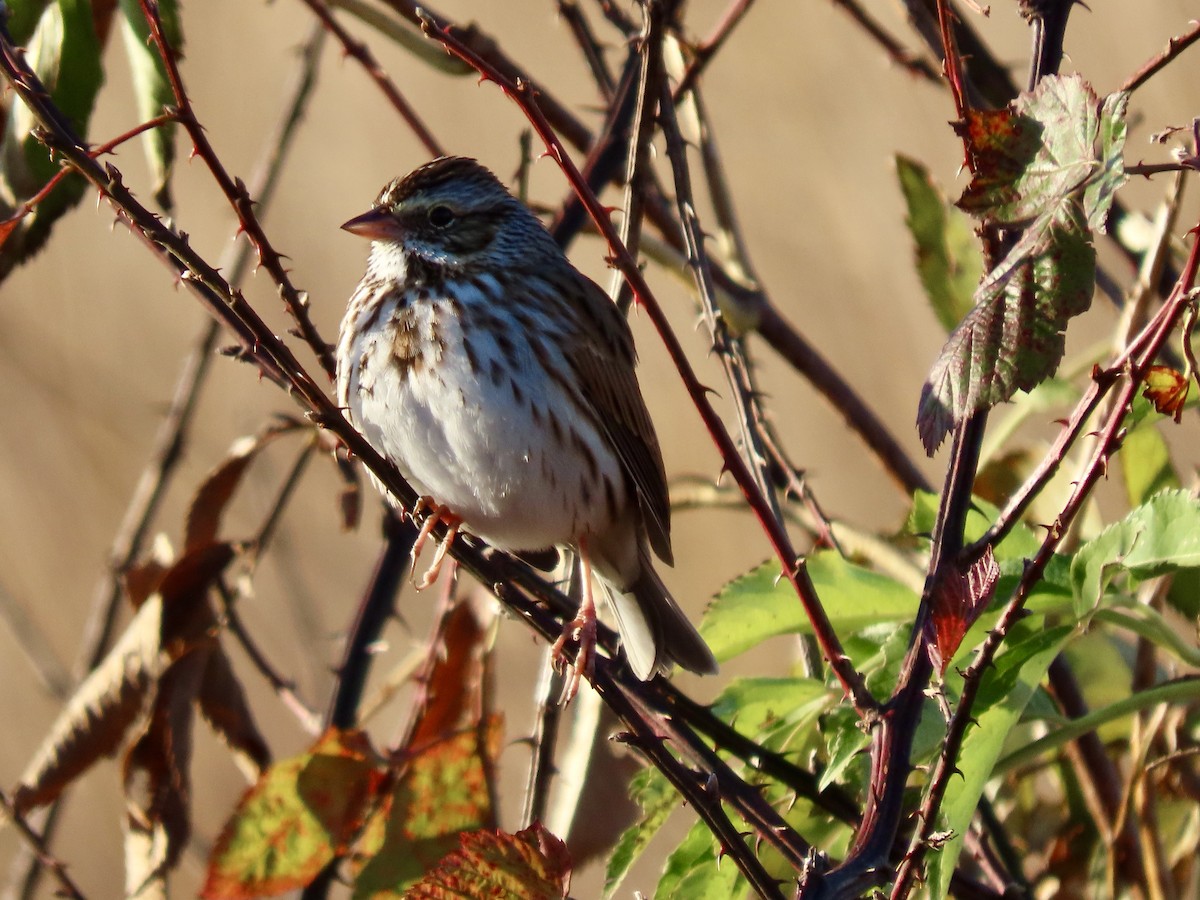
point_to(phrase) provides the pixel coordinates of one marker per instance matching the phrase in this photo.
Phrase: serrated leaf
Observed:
(1007, 688)
(959, 599)
(532, 864)
(658, 799)
(947, 255)
(758, 605)
(1160, 536)
(119, 692)
(1015, 336)
(1050, 164)
(1044, 147)
(444, 790)
(64, 53)
(296, 819)
(151, 88)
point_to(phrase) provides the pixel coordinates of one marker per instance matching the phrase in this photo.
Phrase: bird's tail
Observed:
(654, 630)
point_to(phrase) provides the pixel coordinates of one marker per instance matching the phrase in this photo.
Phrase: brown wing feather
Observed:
(604, 361)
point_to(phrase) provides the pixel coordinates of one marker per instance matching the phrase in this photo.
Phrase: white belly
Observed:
(460, 432)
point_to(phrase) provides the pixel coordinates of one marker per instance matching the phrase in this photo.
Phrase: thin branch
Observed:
(548, 716)
(638, 173)
(238, 196)
(37, 846)
(589, 45)
(1175, 46)
(375, 608)
(793, 567)
(487, 48)
(709, 47)
(897, 52)
(359, 52)
(284, 688)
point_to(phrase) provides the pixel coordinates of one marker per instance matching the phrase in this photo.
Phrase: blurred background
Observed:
(808, 114)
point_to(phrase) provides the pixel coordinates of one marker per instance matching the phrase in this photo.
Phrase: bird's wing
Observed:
(603, 360)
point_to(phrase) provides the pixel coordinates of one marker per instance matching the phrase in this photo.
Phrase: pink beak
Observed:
(378, 225)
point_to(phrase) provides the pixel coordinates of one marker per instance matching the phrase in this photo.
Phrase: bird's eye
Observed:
(441, 216)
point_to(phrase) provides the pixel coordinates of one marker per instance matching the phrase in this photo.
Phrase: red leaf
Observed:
(532, 864)
(958, 601)
(1167, 389)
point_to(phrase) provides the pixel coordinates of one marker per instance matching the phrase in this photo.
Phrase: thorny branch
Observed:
(527, 595)
(794, 569)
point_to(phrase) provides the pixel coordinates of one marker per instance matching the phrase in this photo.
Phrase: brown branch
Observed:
(359, 52)
(1175, 46)
(238, 196)
(794, 569)
(36, 844)
(896, 51)
(486, 47)
(711, 45)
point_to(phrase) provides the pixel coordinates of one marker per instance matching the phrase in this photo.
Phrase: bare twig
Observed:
(708, 48)
(36, 844)
(362, 55)
(1152, 67)
(896, 51)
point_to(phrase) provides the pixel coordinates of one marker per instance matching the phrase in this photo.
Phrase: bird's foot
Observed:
(436, 513)
(583, 630)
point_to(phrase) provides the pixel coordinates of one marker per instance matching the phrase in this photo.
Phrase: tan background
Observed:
(808, 114)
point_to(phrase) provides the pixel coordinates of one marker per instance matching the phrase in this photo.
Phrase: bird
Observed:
(501, 382)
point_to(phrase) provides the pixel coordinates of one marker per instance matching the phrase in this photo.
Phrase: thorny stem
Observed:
(36, 843)
(709, 47)
(237, 195)
(637, 163)
(896, 51)
(731, 354)
(794, 568)
(1152, 67)
(359, 52)
(171, 437)
(527, 595)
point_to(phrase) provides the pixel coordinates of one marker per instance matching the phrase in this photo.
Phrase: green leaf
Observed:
(1045, 146)
(65, 54)
(754, 704)
(1146, 464)
(658, 799)
(1006, 689)
(151, 87)
(947, 256)
(532, 864)
(296, 819)
(758, 605)
(692, 870)
(444, 790)
(1049, 164)
(1160, 536)
(1014, 337)
(1110, 151)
